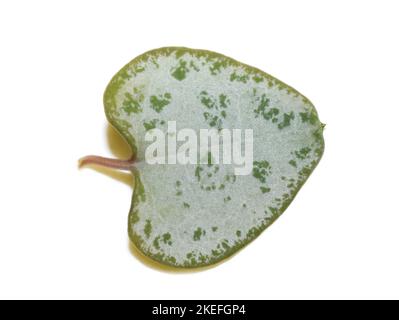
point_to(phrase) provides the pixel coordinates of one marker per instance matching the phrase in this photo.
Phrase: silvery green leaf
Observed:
(198, 214)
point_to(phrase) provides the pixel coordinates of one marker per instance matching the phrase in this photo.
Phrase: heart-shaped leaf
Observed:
(194, 215)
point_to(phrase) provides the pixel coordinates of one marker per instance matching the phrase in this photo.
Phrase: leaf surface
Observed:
(198, 214)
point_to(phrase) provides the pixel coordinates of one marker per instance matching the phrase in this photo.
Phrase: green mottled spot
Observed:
(194, 66)
(186, 205)
(263, 109)
(262, 105)
(139, 191)
(156, 243)
(265, 189)
(166, 238)
(273, 210)
(216, 67)
(272, 115)
(161, 101)
(131, 104)
(198, 233)
(180, 71)
(310, 117)
(225, 244)
(292, 163)
(179, 191)
(147, 228)
(303, 153)
(230, 178)
(151, 124)
(213, 121)
(172, 260)
(287, 117)
(206, 100)
(261, 169)
(215, 107)
(198, 170)
(239, 77)
(134, 217)
(227, 199)
(257, 79)
(224, 101)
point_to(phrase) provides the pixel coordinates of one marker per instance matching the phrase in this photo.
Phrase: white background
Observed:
(63, 232)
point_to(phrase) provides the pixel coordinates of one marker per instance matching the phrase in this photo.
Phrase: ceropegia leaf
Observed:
(198, 214)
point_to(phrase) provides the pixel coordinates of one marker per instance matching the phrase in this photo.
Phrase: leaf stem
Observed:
(107, 162)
